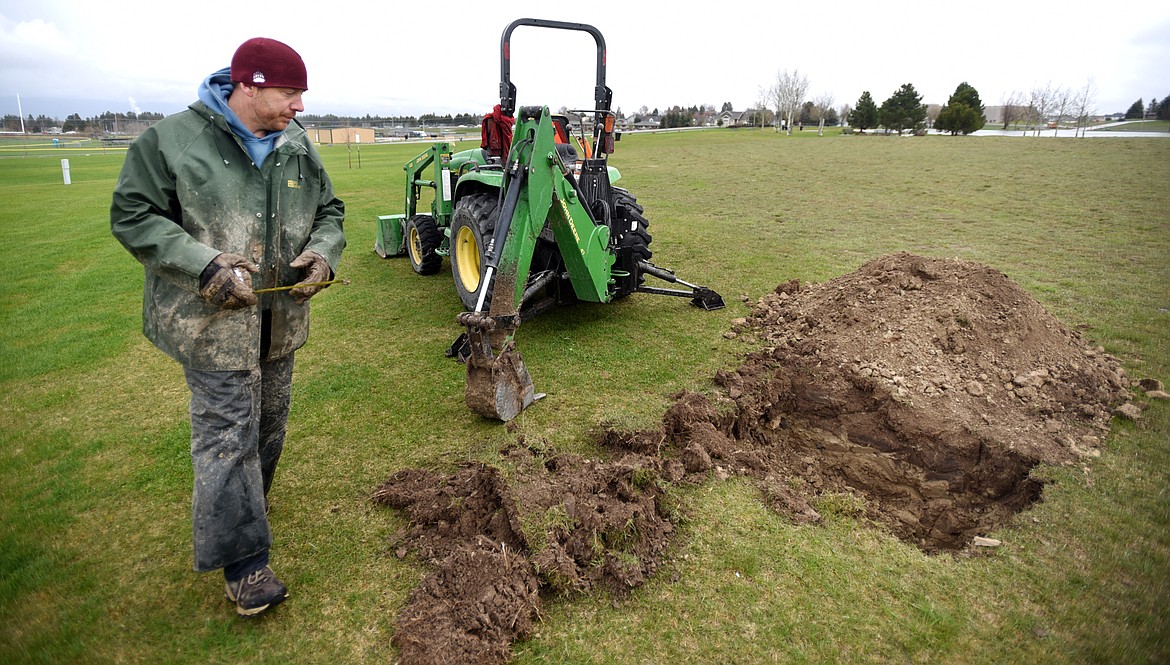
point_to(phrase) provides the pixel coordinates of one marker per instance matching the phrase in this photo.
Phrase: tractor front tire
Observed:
(472, 225)
(422, 239)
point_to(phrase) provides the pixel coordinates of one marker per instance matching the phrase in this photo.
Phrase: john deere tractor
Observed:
(529, 220)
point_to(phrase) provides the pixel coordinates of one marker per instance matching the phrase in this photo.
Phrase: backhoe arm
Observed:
(548, 194)
(538, 189)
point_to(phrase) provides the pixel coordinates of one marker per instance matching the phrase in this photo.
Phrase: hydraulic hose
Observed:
(515, 176)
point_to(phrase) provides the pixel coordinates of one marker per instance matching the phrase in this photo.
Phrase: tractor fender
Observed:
(479, 182)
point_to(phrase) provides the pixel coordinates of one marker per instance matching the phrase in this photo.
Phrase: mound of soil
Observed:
(930, 388)
(922, 390)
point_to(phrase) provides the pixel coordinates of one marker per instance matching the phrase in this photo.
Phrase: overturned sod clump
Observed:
(918, 393)
(557, 523)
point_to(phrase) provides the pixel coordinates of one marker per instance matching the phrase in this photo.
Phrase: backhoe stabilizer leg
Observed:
(700, 296)
(498, 384)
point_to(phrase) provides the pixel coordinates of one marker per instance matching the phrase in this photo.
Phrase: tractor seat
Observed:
(488, 158)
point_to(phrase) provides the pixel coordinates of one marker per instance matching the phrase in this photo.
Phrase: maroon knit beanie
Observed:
(267, 63)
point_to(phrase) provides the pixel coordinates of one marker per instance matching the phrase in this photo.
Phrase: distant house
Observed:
(649, 122)
(735, 118)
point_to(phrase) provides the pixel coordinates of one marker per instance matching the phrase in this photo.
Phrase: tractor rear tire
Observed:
(634, 239)
(472, 225)
(422, 239)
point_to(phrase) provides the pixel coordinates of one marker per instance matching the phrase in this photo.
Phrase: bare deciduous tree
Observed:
(1013, 111)
(788, 94)
(1040, 101)
(1062, 105)
(821, 107)
(1085, 100)
(762, 104)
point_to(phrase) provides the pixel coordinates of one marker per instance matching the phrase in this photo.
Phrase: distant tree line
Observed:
(1049, 106)
(902, 111)
(694, 116)
(106, 123)
(786, 103)
(1155, 110)
(133, 123)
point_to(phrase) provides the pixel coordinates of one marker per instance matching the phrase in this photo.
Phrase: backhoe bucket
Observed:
(498, 384)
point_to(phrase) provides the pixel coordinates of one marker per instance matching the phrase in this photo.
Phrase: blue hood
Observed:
(215, 92)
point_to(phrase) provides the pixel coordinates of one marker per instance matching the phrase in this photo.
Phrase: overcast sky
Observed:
(64, 57)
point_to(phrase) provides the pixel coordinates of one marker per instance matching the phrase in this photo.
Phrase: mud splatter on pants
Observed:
(238, 423)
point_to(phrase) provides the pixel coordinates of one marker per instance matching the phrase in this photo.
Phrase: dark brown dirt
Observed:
(556, 523)
(926, 390)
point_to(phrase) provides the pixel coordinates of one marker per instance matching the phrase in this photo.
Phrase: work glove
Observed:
(227, 281)
(316, 270)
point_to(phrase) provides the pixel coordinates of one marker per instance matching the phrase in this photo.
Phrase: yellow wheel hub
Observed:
(467, 258)
(415, 246)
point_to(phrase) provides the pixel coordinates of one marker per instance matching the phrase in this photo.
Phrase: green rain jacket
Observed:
(189, 191)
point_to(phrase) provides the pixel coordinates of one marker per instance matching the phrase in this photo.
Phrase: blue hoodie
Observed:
(215, 92)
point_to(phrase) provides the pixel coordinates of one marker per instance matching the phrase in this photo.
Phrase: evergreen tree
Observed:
(903, 110)
(805, 117)
(965, 94)
(73, 123)
(864, 114)
(1135, 111)
(1164, 109)
(963, 112)
(959, 118)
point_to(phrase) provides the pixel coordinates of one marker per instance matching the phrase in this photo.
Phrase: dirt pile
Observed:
(923, 390)
(930, 388)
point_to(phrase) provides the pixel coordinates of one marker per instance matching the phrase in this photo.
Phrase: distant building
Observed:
(336, 135)
(995, 114)
(735, 118)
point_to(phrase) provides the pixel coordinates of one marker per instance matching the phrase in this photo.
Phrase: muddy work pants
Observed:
(237, 433)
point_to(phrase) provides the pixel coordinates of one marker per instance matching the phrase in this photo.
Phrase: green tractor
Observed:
(529, 220)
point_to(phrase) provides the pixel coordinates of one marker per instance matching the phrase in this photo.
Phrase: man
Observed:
(222, 198)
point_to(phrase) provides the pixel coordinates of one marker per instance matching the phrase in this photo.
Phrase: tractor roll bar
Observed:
(602, 95)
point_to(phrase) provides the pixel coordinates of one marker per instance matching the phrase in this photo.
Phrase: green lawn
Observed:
(1143, 126)
(95, 479)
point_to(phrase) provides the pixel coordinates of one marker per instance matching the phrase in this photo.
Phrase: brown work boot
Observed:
(256, 592)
